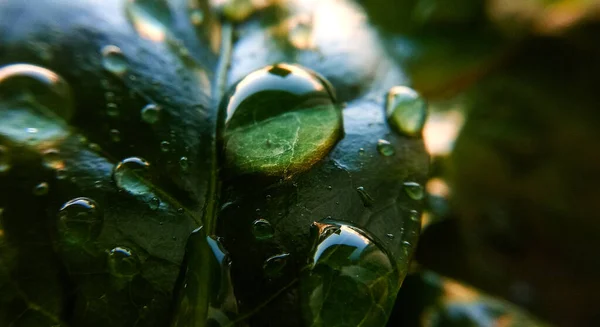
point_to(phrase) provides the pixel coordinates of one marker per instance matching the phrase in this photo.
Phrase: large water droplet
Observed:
(385, 148)
(150, 18)
(347, 263)
(131, 175)
(414, 190)
(366, 199)
(274, 265)
(205, 291)
(37, 86)
(114, 60)
(41, 189)
(262, 229)
(290, 107)
(406, 110)
(123, 263)
(151, 113)
(79, 220)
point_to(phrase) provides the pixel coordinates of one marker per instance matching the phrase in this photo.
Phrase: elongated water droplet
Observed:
(414, 190)
(346, 262)
(151, 113)
(79, 220)
(150, 18)
(366, 199)
(114, 60)
(123, 263)
(262, 229)
(38, 88)
(274, 265)
(206, 280)
(291, 107)
(4, 159)
(41, 189)
(131, 175)
(385, 148)
(406, 110)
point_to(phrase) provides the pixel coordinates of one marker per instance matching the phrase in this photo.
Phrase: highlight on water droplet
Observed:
(151, 113)
(132, 174)
(274, 265)
(406, 110)
(350, 262)
(41, 189)
(79, 220)
(385, 148)
(366, 199)
(122, 263)
(262, 229)
(290, 106)
(150, 18)
(38, 87)
(414, 190)
(114, 61)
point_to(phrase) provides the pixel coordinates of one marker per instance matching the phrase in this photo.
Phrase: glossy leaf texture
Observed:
(94, 120)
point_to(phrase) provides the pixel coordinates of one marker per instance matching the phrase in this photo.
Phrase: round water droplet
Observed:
(414, 216)
(131, 175)
(350, 261)
(288, 105)
(184, 163)
(366, 199)
(50, 93)
(406, 110)
(414, 190)
(262, 229)
(41, 189)
(4, 159)
(385, 148)
(115, 135)
(114, 60)
(274, 265)
(165, 146)
(112, 109)
(197, 16)
(154, 203)
(122, 263)
(150, 18)
(79, 220)
(151, 113)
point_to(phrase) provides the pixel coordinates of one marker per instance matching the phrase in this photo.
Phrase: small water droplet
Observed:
(112, 109)
(366, 199)
(262, 229)
(94, 147)
(414, 216)
(290, 106)
(131, 175)
(154, 203)
(406, 110)
(405, 243)
(79, 220)
(150, 18)
(180, 211)
(184, 163)
(413, 190)
(151, 113)
(115, 135)
(361, 151)
(329, 187)
(61, 174)
(274, 265)
(165, 146)
(385, 148)
(41, 189)
(122, 263)
(389, 235)
(52, 160)
(4, 159)
(113, 60)
(197, 16)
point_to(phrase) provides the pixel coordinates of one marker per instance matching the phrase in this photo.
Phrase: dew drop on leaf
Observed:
(262, 229)
(165, 146)
(385, 148)
(79, 220)
(290, 106)
(112, 109)
(406, 110)
(347, 261)
(122, 263)
(274, 265)
(413, 190)
(154, 203)
(184, 163)
(366, 199)
(414, 215)
(114, 61)
(115, 135)
(130, 175)
(151, 113)
(41, 189)
(51, 159)
(150, 18)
